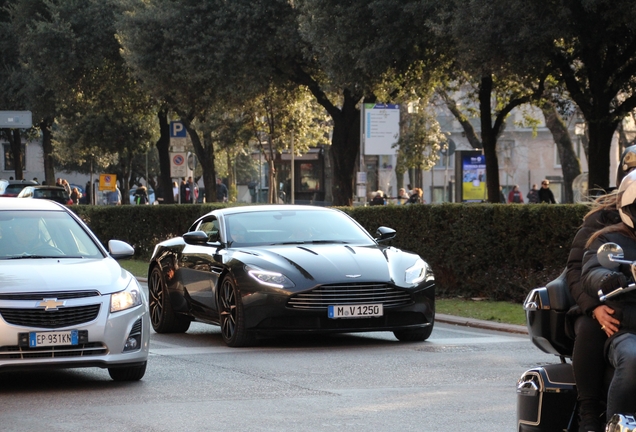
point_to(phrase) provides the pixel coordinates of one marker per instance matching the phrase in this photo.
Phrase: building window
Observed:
(9, 165)
(557, 157)
(445, 162)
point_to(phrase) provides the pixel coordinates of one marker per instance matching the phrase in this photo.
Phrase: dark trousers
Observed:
(588, 359)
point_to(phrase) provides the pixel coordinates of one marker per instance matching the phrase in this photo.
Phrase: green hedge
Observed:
(496, 251)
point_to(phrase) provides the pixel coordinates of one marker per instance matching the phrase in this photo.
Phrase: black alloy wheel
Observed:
(232, 316)
(162, 318)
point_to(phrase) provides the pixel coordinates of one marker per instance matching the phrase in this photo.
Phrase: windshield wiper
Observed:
(301, 242)
(28, 256)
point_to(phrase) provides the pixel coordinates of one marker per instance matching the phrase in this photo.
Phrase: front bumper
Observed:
(104, 346)
(269, 313)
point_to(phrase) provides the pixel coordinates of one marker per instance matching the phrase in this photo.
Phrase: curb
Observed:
(483, 324)
(452, 319)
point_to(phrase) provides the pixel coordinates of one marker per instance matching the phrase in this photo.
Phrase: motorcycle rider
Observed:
(590, 314)
(621, 330)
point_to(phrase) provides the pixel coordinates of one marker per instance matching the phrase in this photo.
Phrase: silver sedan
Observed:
(64, 300)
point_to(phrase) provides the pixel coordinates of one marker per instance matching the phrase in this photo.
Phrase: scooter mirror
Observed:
(609, 255)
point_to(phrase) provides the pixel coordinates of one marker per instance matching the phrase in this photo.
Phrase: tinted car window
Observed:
(281, 226)
(211, 228)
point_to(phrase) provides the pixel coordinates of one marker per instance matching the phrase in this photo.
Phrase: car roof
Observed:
(269, 207)
(28, 204)
(47, 187)
(23, 182)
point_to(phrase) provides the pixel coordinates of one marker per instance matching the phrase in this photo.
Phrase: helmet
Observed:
(627, 203)
(627, 163)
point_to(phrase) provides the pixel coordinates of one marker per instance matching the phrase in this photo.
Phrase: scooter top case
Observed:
(546, 398)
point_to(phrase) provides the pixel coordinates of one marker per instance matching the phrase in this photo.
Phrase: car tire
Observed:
(162, 317)
(232, 316)
(131, 373)
(414, 335)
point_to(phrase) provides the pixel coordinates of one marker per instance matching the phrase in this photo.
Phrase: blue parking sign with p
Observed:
(177, 129)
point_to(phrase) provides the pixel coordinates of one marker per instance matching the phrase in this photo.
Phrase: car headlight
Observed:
(126, 299)
(416, 273)
(270, 278)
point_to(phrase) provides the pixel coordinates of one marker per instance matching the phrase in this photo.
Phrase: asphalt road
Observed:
(462, 378)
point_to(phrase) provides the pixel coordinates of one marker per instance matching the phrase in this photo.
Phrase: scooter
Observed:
(546, 395)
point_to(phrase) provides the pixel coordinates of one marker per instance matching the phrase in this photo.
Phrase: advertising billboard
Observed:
(472, 172)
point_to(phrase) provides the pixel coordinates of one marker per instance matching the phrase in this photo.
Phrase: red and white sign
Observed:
(178, 166)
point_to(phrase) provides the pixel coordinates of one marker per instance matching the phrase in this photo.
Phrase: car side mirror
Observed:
(120, 250)
(195, 238)
(384, 234)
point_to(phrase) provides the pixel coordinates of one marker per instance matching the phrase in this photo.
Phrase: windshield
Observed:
(293, 227)
(43, 234)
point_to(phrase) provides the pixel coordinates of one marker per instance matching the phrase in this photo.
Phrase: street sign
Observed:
(16, 119)
(177, 129)
(381, 128)
(178, 165)
(107, 182)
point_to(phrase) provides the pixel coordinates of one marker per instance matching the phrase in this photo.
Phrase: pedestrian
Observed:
(416, 196)
(251, 186)
(182, 190)
(545, 193)
(378, 199)
(66, 186)
(192, 191)
(402, 197)
(533, 195)
(141, 195)
(87, 193)
(175, 191)
(114, 197)
(76, 195)
(221, 191)
(502, 197)
(515, 196)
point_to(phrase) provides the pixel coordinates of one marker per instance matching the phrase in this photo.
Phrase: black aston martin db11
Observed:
(285, 268)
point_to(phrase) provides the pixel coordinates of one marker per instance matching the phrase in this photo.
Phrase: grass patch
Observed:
(496, 311)
(138, 268)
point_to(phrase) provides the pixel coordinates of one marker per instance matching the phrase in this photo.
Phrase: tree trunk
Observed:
(47, 151)
(601, 133)
(570, 164)
(205, 154)
(16, 150)
(345, 149)
(163, 148)
(489, 139)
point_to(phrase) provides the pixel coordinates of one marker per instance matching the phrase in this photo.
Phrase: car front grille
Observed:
(60, 295)
(40, 318)
(81, 350)
(350, 294)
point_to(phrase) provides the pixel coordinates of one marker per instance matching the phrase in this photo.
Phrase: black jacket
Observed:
(591, 224)
(592, 273)
(546, 196)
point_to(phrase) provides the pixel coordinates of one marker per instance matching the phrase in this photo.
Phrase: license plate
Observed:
(355, 311)
(41, 339)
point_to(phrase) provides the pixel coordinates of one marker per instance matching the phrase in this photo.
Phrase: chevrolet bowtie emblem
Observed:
(50, 304)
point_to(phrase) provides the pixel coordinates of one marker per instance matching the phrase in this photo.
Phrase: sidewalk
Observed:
(488, 325)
